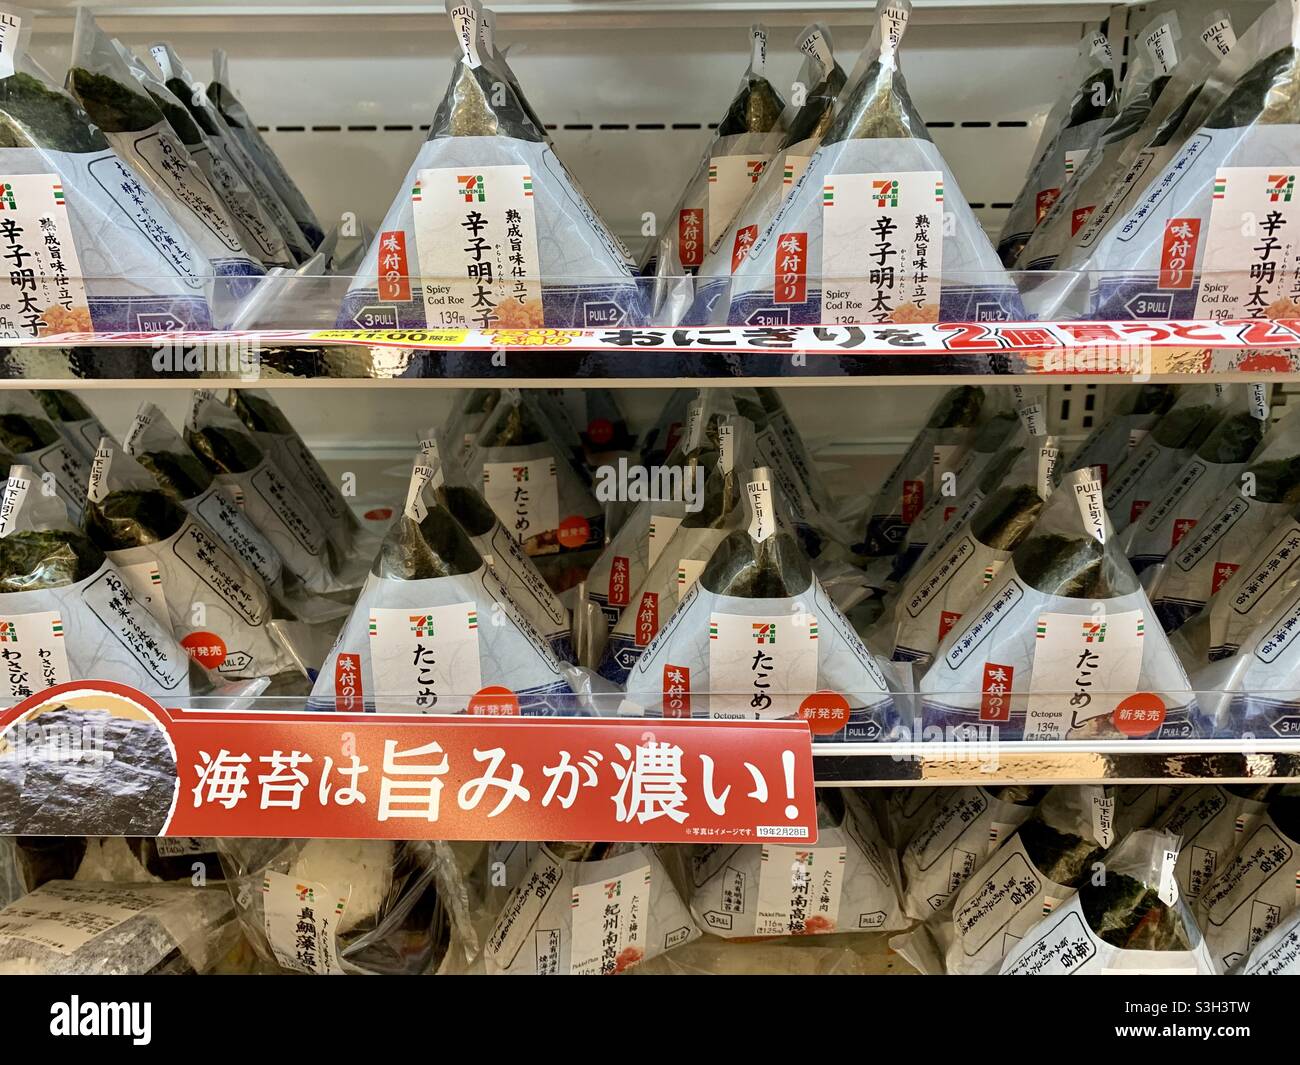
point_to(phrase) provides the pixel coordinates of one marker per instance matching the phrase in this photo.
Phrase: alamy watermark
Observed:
(625, 482)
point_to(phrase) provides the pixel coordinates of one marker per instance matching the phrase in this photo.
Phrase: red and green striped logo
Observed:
(57, 626)
(828, 195)
(713, 172)
(528, 185)
(1220, 187)
(58, 195)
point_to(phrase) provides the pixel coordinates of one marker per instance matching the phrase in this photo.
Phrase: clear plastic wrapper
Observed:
(73, 419)
(876, 230)
(1229, 530)
(963, 826)
(1031, 873)
(743, 144)
(1256, 888)
(177, 566)
(1060, 639)
(128, 264)
(848, 882)
(941, 590)
(89, 929)
(435, 626)
(1157, 455)
(33, 440)
(257, 231)
(1071, 130)
(134, 125)
(1212, 820)
(340, 907)
(531, 482)
(226, 144)
(142, 860)
(1163, 79)
(269, 495)
(1131, 921)
(938, 447)
(246, 132)
(1213, 470)
(487, 181)
(690, 545)
(588, 910)
(901, 812)
(757, 634)
(1113, 440)
(1278, 953)
(526, 586)
(72, 612)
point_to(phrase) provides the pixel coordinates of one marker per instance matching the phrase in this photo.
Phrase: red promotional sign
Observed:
(995, 704)
(690, 236)
(1139, 714)
(410, 776)
(394, 277)
(791, 282)
(825, 712)
(1178, 253)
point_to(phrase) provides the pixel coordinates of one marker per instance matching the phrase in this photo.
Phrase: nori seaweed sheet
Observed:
(178, 118)
(468, 508)
(722, 493)
(435, 547)
(1135, 113)
(1277, 480)
(994, 433)
(1005, 518)
(479, 103)
(112, 106)
(132, 517)
(1185, 427)
(54, 558)
(1232, 440)
(1268, 93)
(757, 108)
(180, 473)
(776, 568)
(61, 405)
(513, 428)
(223, 450)
(259, 415)
(199, 112)
(1285, 812)
(814, 118)
(32, 115)
(20, 434)
(959, 408)
(878, 108)
(1060, 856)
(1126, 913)
(1076, 567)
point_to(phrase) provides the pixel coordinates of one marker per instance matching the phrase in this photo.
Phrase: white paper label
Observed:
(688, 572)
(166, 158)
(882, 246)
(32, 653)
(1083, 664)
(1168, 889)
(10, 27)
(1251, 272)
(1048, 457)
(1160, 46)
(610, 919)
(64, 917)
(799, 890)
(183, 846)
(426, 660)
(1136, 436)
(762, 522)
(301, 918)
(1088, 495)
(731, 179)
(1103, 816)
(814, 44)
(1033, 419)
(145, 583)
(662, 527)
(1259, 400)
(524, 495)
(1219, 37)
(757, 48)
(465, 24)
(41, 291)
(893, 24)
(476, 243)
(761, 666)
(726, 447)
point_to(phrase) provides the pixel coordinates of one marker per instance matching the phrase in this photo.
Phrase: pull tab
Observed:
(143, 419)
(15, 492)
(1259, 401)
(98, 486)
(1033, 419)
(813, 43)
(1100, 47)
(10, 29)
(487, 31)
(1219, 36)
(415, 508)
(694, 427)
(465, 23)
(757, 47)
(1102, 808)
(762, 523)
(1087, 494)
(726, 447)
(163, 59)
(1160, 46)
(893, 24)
(1168, 888)
(1048, 456)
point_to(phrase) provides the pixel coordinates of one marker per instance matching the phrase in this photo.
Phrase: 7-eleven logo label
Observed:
(520, 473)
(764, 632)
(885, 193)
(1280, 188)
(422, 624)
(471, 187)
(7, 197)
(8, 632)
(754, 168)
(1094, 632)
(613, 889)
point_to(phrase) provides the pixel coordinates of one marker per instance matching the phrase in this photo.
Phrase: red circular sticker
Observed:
(206, 648)
(600, 430)
(379, 514)
(574, 531)
(1139, 714)
(494, 702)
(825, 712)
